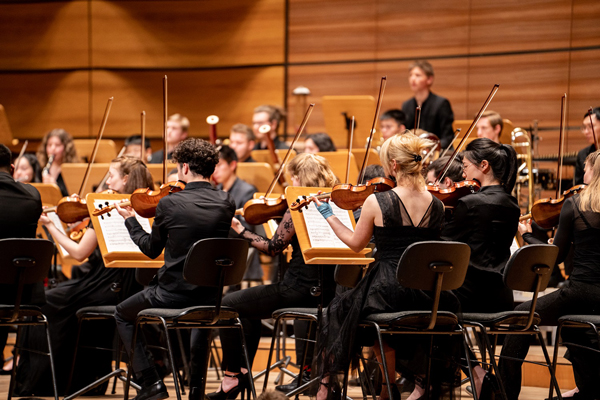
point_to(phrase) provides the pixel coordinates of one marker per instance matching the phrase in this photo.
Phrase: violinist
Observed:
(256, 303)
(454, 174)
(436, 113)
(242, 141)
(486, 221)
(490, 126)
(178, 128)
(391, 123)
(56, 148)
(586, 129)
(100, 286)
(579, 226)
(271, 116)
(28, 169)
(317, 143)
(133, 147)
(197, 212)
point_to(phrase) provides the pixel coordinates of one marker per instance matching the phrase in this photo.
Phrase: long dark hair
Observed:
(502, 159)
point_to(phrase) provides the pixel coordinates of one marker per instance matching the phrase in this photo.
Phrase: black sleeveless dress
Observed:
(379, 290)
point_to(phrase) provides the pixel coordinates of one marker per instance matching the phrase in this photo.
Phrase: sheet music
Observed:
(56, 221)
(320, 233)
(114, 231)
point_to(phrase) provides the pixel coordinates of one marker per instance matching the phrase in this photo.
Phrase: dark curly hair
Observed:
(199, 154)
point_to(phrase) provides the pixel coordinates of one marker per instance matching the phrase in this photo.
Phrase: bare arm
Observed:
(280, 240)
(79, 251)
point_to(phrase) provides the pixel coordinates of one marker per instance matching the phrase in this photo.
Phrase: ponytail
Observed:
(501, 158)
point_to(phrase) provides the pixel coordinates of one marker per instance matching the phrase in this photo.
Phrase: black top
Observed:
(158, 156)
(249, 159)
(197, 212)
(241, 191)
(487, 221)
(583, 230)
(580, 163)
(436, 117)
(279, 145)
(21, 208)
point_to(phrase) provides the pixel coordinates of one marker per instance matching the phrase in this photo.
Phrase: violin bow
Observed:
(417, 119)
(165, 129)
(590, 112)
(377, 110)
(143, 132)
(473, 124)
(350, 138)
(289, 152)
(21, 156)
(96, 145)
(561, 142)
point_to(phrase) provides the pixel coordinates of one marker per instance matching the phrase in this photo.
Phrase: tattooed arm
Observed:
(280, 240)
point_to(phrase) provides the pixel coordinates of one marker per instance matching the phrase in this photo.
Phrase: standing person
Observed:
(486, 221)
(242, 141)
(100, 286)
(271, 116)
(56, 148)
(490, 126)
(398, 217)
(436, 113)
(178, 128)
(20, 211)
(391, 123)
(259, 302)
(579, 226)
(586, 129)
(197, 212)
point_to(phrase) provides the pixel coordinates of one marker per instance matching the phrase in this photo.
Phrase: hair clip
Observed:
(418, 158)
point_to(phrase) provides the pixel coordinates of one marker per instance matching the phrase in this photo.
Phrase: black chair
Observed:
(215, 262)
(24, 262)
(105, 313)
(432, 266)
(529, 270)
(344, 275)
(574, 322)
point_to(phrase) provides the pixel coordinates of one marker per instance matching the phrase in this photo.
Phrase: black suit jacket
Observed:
(21, 208)
(580, 163)
(436, 117)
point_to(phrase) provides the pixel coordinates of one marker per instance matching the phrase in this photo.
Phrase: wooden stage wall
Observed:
(61, 60)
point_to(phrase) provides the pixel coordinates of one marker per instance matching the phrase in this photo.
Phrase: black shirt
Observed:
(197, 212)
(158, 157)
(436, 117)
(487, 221)
(580, 163)
(21, 208)
(279, 145)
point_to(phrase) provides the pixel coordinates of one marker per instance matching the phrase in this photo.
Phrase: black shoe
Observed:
(196, 395)
(490, 388)
(156, 391)
(294, 384)
(232, 394)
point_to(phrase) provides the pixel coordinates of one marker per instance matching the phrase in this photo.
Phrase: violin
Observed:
(144, 201)
(546, 212)
(76, 232)
(451, 195)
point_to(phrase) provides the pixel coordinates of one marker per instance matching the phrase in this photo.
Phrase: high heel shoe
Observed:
(490, 388)
(233, 393)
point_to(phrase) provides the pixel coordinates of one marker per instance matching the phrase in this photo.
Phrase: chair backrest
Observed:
(348, 275)
(434, 266)
(216, 262)
(529, 270)
(23, 262)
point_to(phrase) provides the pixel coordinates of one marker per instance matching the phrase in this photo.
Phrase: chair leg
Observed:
(70, 381)
(186, 365)
(469, 366)
(51, 359)
(13, 374)
(246, 358)
(130, 361)
(215, 360)
(553, 380)
(171, 360)
(271, 348)
(493, 363)
(368, 381)
(383, 362)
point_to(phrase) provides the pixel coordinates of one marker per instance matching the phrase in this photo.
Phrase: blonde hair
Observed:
(183, 121)
(589, 199)
(70, 154)
(312, 170)
(139, 175)
(406, 150)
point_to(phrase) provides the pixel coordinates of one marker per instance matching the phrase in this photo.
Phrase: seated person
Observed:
(271, 116)
(318, 142)
(436, 112)
(56, 148)
(490, 126)
(242, 141)
(28, 169)
(391, 123)
(586, 129)
(454, 174)
(133, 147)
(178, 127)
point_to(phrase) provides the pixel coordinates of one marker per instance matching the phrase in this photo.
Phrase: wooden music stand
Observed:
(73, 173)
(338, 161)
(259, 174)
(322, 255)
(464, 125)
(49, 192)
(156, 170)
(362, 107)
(118, 237)
(107, 150)
(263, 156)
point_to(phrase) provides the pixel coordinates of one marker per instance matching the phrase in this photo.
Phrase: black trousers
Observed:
(573, 298)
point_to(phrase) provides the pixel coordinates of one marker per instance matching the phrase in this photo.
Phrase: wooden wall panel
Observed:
(229, 94)
(331, 30)
(403, 32)
(43, 35)
(586, 23)
(517, 25)
(187, 33)
(38, 102)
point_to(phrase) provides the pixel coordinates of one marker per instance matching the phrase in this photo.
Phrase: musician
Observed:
(28, 169)
(318, 142)
(579, 225)
(178, 128)
(21, 208)
(242, 141)
(133, 147)
(256, 303)
(100, 286)
(454, 174)
(271, 116)
(586, 129)
(57, 145)
(197, 212)
(436, 112)
(486, 221)
(490, 126)
(391, 123)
